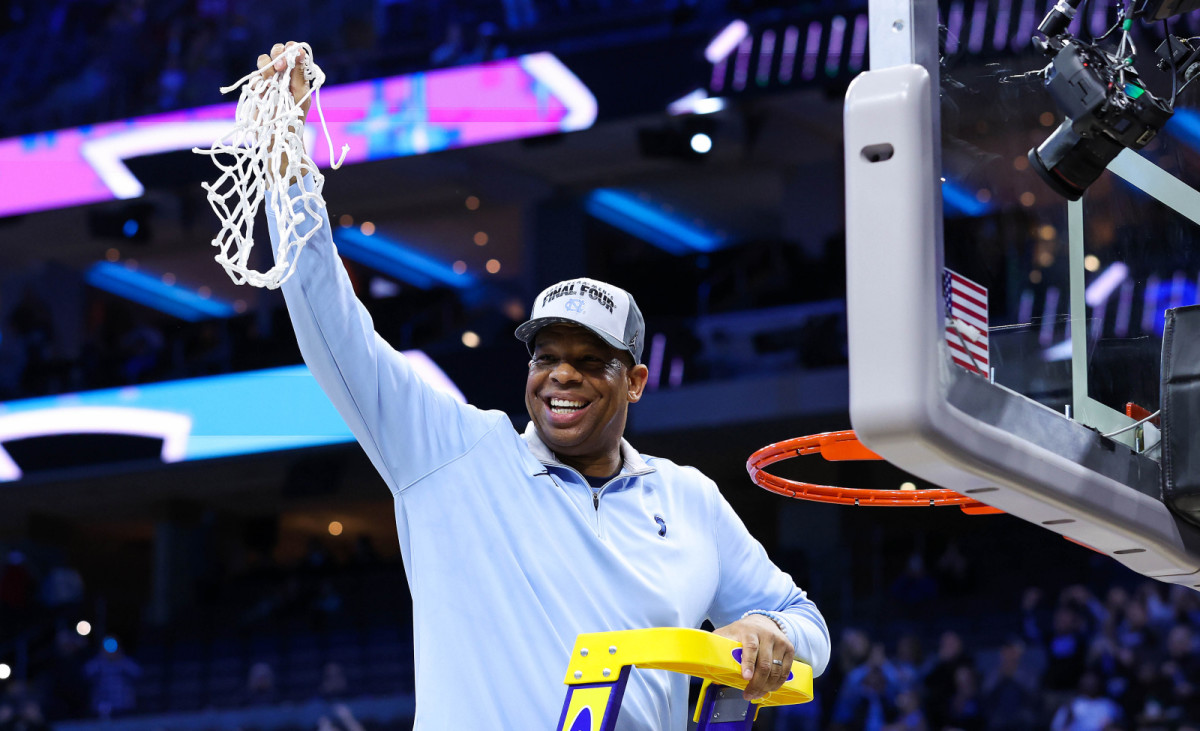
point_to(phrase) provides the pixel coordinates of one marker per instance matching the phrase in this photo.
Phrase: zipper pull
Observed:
(596, 499)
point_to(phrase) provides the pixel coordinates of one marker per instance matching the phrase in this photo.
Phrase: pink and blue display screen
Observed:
(382, 118)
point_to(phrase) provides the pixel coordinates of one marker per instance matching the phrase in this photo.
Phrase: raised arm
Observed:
(405, 426)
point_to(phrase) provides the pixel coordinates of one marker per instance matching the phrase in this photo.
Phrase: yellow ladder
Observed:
(600, 663)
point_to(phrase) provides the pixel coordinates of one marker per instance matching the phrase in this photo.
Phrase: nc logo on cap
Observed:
(608, 311)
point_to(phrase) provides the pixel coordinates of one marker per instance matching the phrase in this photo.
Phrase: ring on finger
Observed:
(777, 662)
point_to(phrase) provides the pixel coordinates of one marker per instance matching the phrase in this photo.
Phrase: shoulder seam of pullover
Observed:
(499, 420)
(396, 490)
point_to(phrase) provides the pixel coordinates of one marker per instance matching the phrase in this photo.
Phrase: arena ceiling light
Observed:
(398, 260)
(958, 201)
(649, 223)
(726, 41)
(150, 291)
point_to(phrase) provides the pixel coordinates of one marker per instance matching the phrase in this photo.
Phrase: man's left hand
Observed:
(762, 643)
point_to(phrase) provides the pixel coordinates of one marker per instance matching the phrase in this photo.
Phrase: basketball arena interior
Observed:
(190, 536)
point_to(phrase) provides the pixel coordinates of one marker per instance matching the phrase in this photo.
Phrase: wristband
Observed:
(771, 616)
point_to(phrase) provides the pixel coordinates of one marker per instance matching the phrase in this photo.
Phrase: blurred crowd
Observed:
(1127, 659)
(239, 648)
(318, 628)
(122, 344)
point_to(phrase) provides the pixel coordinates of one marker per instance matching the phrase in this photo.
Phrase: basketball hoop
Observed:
(843, 446)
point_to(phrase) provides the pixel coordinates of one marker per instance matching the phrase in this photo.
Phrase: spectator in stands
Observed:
(953, 570)
(1066, 643)
(447, 52)
(141, 352)
(15, 694)
(1133, 632)
(1009, 699)
(363, 553)
(32, 322)
(16, 590)
(23, 716)
(1181, 673)
(908, 661)
(915, 586)
(260, 685)
(965, 711)
(344, 717)
(1115, 602)
(940, 683)
(1186, 604)
(333, 682)
(61, 588)
(316, 555)
(909, 716)
(65, 679)
(1160, 614)
(326, 604)
(869, 693)
(111, 675)
(1087, 711)
(801, 716)
(204, 352)
(852, 651)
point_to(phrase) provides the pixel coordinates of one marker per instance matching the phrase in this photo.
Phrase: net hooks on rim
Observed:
(842, 446)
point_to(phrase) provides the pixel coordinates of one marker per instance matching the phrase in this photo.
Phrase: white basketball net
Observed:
(267, 127)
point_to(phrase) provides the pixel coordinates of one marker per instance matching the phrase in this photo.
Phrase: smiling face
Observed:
(578, 393)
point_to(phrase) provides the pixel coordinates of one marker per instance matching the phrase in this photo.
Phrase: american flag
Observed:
(966, 321)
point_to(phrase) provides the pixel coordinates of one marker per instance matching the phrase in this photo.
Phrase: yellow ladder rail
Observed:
(600, 663)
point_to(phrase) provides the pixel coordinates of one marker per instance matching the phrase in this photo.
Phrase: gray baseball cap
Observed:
(607, 311)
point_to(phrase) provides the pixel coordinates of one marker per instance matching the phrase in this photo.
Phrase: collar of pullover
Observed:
(632, 463)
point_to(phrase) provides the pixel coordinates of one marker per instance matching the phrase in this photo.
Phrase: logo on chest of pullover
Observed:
(662, 526)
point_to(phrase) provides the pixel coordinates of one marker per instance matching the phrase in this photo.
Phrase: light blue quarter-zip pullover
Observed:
(508, 554)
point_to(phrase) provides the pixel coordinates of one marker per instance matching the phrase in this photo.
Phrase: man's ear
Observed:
(638, 375)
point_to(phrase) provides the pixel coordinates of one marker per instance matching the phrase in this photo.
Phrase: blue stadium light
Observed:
(110, 645)
(1185, 126)
(398, 260)
(150, 291)
(958, 201)
(637, 218)
(130, 228)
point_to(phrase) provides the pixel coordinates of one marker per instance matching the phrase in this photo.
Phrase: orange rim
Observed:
(840, 446)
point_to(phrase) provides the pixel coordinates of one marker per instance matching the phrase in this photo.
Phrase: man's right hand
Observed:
(298, 85)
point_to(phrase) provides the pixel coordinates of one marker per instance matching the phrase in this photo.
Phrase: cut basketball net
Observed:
(840, 446)
(268, 128)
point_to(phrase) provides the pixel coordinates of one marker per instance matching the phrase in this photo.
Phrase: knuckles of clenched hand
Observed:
(299, 84)
(763, 643)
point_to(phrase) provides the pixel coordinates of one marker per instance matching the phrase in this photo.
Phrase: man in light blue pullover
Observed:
(515, 543)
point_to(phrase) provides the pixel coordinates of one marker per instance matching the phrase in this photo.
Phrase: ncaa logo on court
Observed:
(575, 305)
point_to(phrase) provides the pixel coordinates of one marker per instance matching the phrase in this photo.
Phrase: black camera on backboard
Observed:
(1107, 107)
(1104, 117)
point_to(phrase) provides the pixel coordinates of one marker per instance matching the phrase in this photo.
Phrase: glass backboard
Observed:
(1001, 336)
